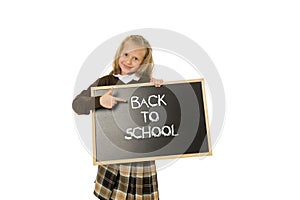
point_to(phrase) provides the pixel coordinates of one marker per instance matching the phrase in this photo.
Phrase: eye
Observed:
(135, 59)
(126, 54)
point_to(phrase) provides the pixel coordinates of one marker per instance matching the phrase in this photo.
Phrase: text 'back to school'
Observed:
(147, 132)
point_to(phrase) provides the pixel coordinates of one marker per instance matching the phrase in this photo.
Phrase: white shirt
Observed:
(127, 78)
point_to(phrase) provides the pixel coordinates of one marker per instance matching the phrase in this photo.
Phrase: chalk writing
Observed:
(153, 116)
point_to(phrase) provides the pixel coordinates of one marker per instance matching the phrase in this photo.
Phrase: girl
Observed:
(133, 63)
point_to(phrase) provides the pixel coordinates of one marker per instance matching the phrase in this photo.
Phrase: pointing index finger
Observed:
(120, 99)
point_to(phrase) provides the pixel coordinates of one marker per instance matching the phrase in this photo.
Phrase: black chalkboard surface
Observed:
(155, 123)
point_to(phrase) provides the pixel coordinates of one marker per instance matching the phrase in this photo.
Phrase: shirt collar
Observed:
(127, 78)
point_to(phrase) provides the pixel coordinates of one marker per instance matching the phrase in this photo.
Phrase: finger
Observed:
(113, 102)
(120, 99)
(153, 80)
(158, 83)
(110, 91)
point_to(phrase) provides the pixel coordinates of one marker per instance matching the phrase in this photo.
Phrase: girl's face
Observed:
(131, 58)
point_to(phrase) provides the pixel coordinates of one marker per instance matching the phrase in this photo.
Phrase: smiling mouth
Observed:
(126, 66)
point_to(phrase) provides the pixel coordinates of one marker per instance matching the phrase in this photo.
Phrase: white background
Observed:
(255, 46)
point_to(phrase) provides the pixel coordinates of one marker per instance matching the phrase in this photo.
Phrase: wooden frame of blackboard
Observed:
(208, 153)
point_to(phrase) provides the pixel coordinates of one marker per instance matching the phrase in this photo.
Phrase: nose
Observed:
(129, 60)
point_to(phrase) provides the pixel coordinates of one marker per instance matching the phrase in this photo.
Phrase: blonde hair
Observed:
(147, 65)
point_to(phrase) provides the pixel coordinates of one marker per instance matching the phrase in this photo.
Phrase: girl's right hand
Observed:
(109, 101)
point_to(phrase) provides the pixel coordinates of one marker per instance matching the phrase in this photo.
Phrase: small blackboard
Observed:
(155, 123)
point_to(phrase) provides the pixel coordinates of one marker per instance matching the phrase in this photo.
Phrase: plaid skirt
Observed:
(130, 181)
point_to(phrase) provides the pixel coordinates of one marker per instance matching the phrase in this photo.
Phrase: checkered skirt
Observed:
(130, 181)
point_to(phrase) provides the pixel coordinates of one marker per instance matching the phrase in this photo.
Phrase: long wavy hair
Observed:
(146, 66)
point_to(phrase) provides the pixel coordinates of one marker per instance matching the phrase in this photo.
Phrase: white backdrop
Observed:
(253, 44)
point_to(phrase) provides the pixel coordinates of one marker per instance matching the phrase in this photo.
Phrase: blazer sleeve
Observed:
(84, 103)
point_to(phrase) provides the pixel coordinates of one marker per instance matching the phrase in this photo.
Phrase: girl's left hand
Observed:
(156, 82)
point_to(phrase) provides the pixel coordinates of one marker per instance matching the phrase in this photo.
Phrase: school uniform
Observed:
(129, 181)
